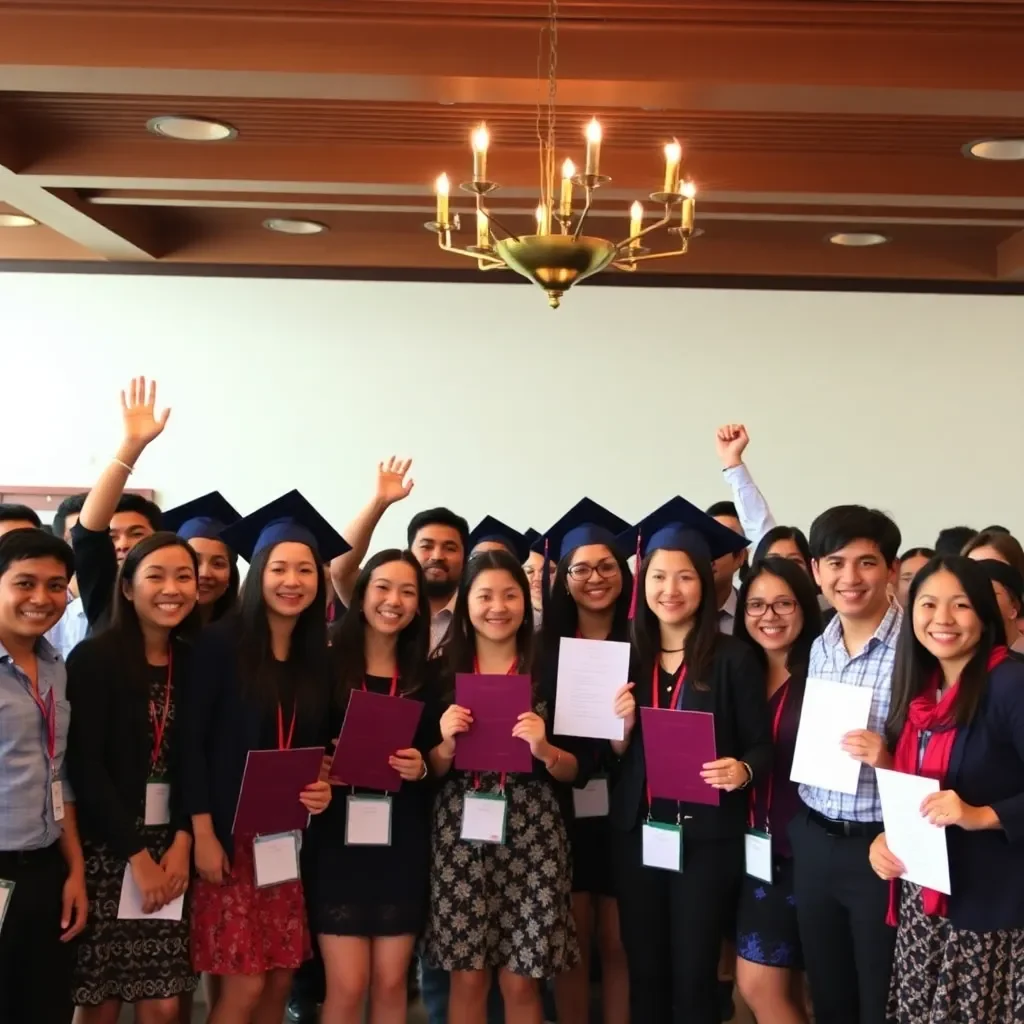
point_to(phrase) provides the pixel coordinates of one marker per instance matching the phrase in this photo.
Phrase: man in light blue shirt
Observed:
(43, 901)
(841, 903)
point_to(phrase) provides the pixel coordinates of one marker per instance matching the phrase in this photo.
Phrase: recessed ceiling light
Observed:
(191, 129)
(996, 149)
(857, 239)
(289, 226)
(17, 220)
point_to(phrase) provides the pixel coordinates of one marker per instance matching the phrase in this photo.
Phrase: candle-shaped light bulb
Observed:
(673, 156)
(480, 140)
(543, 224)
(565, 205)
(441, 188)
(593, 134)
(483, 230)
(636, 223)
(689, 207)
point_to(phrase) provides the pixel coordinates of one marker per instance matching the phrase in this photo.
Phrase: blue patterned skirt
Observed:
(766, 930)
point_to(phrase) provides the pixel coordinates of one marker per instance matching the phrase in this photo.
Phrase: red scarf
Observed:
(936, 717)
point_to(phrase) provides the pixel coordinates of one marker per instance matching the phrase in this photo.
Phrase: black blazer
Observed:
(736, 697)
(96, 569)
(220, 726)
(986, 769)
(110, 746)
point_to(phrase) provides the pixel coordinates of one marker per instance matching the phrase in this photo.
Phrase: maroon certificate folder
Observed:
(495, 702)
(375, 726)
(269, 798)
(677, 745)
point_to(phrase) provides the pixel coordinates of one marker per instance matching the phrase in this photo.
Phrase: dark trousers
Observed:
(672, 926)
(35, 966)
(840, 907)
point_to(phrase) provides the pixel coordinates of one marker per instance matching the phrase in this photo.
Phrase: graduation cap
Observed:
(288, 518)
(1007, 575)
(680, 526)
(491, 529)
(530, 537)
(207, 516)
(585, 523)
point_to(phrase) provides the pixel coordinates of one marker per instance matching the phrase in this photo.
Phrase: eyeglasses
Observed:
(783, 607)
(581, 572)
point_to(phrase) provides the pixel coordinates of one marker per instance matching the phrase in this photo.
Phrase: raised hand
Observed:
(138, 411)
(391, 483)
(731, 441)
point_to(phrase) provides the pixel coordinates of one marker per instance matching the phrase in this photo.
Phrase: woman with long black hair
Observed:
(125, 756)
(261, 680)
(368, 903)
(957, 715)
(504, 906)
(673, 921)
(779, 619)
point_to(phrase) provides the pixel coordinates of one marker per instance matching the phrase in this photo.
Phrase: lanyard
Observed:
(49, 713)
(776, 723)
(510, 671)
(394, 683)
(160, 724)
(282, 742)
(680, 680)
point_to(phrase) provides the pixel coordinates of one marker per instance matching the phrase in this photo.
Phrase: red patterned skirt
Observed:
(239, 929)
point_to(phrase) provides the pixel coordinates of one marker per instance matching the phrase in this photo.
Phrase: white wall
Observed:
(911, 403)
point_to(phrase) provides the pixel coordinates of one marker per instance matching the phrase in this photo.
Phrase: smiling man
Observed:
(841, 904)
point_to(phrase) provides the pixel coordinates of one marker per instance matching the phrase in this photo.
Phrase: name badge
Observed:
(592, 800)
(6, 892)
(57, 796)
(483, 818)
(663, 846)
(757, 846)
(275, 859)
(368, 821)
(158, 803)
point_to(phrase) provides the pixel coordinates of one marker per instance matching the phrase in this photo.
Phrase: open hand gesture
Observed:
(391, 483)
(138, 411)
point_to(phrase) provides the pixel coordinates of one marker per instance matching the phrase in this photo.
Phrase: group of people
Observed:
(121, 768)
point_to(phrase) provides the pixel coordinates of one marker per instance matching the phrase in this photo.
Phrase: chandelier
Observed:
(557, 259)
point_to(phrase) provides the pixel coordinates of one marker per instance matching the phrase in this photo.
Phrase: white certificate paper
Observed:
(590, 673)
(830, 711)
(910, 836)
(130, 907)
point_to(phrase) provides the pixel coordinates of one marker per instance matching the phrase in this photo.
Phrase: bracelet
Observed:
(554, 764)
(123, 465)
(750, 775)
(424, 774)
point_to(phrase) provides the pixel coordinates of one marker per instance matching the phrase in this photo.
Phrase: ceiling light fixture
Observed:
(291, 226)
(17, 220)
(857, 239)
(996, 149)
(190, 129)
(557, 259)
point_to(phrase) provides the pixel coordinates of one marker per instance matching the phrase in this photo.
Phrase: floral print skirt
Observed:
(947, 975)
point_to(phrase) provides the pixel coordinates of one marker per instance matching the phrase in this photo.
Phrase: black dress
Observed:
(373, 891)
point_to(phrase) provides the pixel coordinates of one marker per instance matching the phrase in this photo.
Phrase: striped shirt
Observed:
(871, 666)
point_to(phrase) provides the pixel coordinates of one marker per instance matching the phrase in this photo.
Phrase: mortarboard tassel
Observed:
(636, 580)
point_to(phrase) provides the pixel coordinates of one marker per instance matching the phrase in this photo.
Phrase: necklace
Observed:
(672, 650)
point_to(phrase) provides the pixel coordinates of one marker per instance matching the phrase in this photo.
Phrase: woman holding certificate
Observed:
(500, 876)
(260, 683)
(957, 716)
(679, 806)
(779, 619)
(370, 852)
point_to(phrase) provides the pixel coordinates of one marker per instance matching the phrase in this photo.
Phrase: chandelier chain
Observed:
(547, 116)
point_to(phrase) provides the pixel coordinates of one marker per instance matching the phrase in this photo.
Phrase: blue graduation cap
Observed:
(207, 516)
(585, 523)
(491, 529)
(288, 518)
(680, 526)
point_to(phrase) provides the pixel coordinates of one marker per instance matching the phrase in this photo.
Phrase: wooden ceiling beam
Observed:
(633, 51)
(1010, 258)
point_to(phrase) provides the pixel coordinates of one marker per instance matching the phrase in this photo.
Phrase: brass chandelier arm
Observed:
(446, 244)
(497, 223)
(583, 216)
(647, 230)
(633, 260)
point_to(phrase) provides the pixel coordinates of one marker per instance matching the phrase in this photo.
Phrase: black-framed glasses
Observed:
(581, 572)
(783, 607)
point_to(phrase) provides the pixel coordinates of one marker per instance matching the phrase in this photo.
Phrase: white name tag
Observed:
(6, 892)
(158, 803)
(368, 821)
(276, 859)
(57, 795)
(483, 817)
(758, 849)
(592, 800)
(663, 846)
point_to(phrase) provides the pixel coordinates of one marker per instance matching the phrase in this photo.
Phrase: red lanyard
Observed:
(680, 680)
(394, 683)
(49, 713)
(160, 724)
(776, 723)
(510, 671)
(282, 742)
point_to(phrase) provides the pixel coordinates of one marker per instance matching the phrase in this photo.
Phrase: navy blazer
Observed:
(986, 769)
(220, 726)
